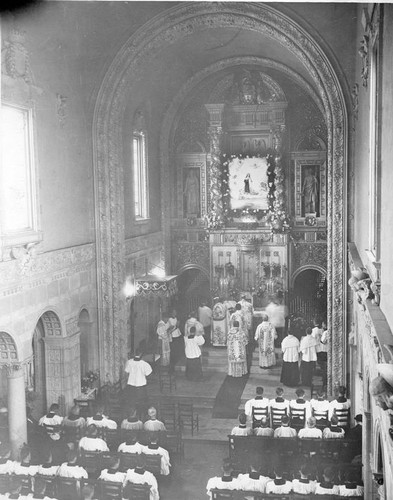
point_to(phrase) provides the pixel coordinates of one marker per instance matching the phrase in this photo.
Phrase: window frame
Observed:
(32, 233)
(375, 102)
(140, 176)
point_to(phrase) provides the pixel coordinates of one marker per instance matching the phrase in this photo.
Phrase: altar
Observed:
(251, 262)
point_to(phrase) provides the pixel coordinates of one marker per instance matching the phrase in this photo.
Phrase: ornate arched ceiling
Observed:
(178, 46)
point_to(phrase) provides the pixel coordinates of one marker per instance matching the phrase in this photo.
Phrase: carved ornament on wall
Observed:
(15, 57)
(192, 253)
(304, 254)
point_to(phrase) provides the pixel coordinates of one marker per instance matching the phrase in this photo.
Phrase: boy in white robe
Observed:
(141, 476)
(154, 449)
(304, 486)
(279, 486)
(225, 482)
(253, 481)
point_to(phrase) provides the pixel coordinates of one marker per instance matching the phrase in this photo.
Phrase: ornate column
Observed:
(16, 407)
(215, 136)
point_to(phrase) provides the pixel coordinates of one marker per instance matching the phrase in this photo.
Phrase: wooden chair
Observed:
(298, 417)
(257, 414)
(343, 417)
(174, 443)
(68, 488)
(4, 483)
(111, 437)
(167, 379)
(51, 484)
(133, 491)
(167, 413)
(86, 406)
(26, 483)
(187, 417)
(276, 415)
(128, 461)
(153, 464)
(90, 461)
(111, 490)
(322, 418)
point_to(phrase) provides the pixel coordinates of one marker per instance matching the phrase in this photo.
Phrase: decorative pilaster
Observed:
(215, 137)
(16, 407)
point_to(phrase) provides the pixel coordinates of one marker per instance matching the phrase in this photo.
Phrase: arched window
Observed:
(8, 351)
(139, 165)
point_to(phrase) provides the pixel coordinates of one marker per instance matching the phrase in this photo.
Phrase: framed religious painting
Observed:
(310, 187)
(248, 183)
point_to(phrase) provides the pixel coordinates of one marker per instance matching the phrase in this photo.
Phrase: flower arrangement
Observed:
(88, 380)
(278, 219)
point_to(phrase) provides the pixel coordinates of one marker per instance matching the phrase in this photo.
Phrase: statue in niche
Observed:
(310, 191)
(191, 193)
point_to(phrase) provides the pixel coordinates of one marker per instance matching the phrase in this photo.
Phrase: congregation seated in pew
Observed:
(101, 421)
(91, 442)
(311, 430)
(132, 422)
(242, 429)
(153, 424)
(285, 431)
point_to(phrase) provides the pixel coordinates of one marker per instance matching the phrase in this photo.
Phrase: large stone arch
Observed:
(173, 25)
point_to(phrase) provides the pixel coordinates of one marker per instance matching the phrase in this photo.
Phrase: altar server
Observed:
(253, 481)
(226, 481)
(154, 449)
(140, 475)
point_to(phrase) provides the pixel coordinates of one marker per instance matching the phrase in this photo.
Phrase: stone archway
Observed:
(171, 26)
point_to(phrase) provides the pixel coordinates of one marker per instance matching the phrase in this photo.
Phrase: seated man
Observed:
(52, 417)
(241, 429)
(279, 486)
(74, 419)
(112, 473)
(6, 464)
(327, 486)
(304, 486)
(99, 420)
(320, 408)
(253, 481)
(279, 402)
(91, 442)
(131, 446)
(132, 423)
(340, 403)
(48, 468)
(71, 469)
(154, 449)
(153, 424)
(352, 486)
(334, 431)
(258, 402)
(264, 429)
(140, 475)
(285, 431)
(299, 404)
(225, 482)
(311, 431)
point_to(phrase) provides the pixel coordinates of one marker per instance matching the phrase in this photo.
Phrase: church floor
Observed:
(188, 478)
(204, 393)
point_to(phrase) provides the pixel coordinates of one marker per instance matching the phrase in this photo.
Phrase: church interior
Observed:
(161, 156)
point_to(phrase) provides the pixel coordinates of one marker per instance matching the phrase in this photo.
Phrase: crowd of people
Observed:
(55, 452)
(304, 482)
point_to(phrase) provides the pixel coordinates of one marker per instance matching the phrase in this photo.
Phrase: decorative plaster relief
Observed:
(47, 264)
(192, 253)
(141, 243)
(61, 109)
